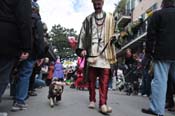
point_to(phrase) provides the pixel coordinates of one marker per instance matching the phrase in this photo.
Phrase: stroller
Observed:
(132, 80)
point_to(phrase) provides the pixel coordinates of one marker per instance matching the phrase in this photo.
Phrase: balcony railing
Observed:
(124, 18)
(131, 40)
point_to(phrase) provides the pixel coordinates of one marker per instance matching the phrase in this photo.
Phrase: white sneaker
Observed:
(109, 109)
(105, 109)
(17, 107)
(91, 105)
(3, 114)
(144, 95)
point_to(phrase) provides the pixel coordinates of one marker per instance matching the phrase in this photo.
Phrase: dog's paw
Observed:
(56, 102)
(51, 103)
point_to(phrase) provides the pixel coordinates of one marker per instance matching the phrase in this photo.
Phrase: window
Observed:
(154, 7)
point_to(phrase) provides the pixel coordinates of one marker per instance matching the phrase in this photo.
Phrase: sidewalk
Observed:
(75, 103)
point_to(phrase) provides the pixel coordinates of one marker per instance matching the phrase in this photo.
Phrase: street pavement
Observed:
(74, 103)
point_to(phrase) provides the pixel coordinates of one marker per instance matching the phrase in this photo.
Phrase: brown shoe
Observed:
(171, 109)
(32, 93)
(91, 105)
(149, 111)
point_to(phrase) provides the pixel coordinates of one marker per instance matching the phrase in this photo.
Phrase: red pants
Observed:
(78, 82)
(103, 75)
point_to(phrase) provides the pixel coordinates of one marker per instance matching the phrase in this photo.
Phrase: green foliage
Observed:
(121, 6)
(59, 39)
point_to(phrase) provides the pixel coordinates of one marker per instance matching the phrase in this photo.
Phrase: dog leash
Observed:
(101, 51)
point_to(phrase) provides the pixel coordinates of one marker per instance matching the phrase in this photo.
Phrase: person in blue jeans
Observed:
(22, 85)
(26, 67)
(15, 37)
(160, 46)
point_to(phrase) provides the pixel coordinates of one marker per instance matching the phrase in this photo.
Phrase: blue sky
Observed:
(77, 5)
(69, 13)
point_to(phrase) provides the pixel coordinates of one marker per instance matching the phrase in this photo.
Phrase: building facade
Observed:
(142, 6)
(128, 22)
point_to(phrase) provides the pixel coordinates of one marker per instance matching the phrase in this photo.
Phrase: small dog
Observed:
(55, 92)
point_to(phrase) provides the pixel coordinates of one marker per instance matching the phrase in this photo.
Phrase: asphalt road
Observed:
(75, 102)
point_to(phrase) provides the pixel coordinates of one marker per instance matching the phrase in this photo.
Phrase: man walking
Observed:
(94, 40)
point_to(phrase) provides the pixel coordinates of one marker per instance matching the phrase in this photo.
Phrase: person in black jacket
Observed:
(160, 45)
(26, 68)
(39, 48)
(15, 36)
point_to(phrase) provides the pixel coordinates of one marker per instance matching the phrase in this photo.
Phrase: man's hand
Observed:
(114, 38)
(83, 53)
(24, 56)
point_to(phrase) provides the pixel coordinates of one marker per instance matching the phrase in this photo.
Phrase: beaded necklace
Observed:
(99, 19)
(99, 25)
